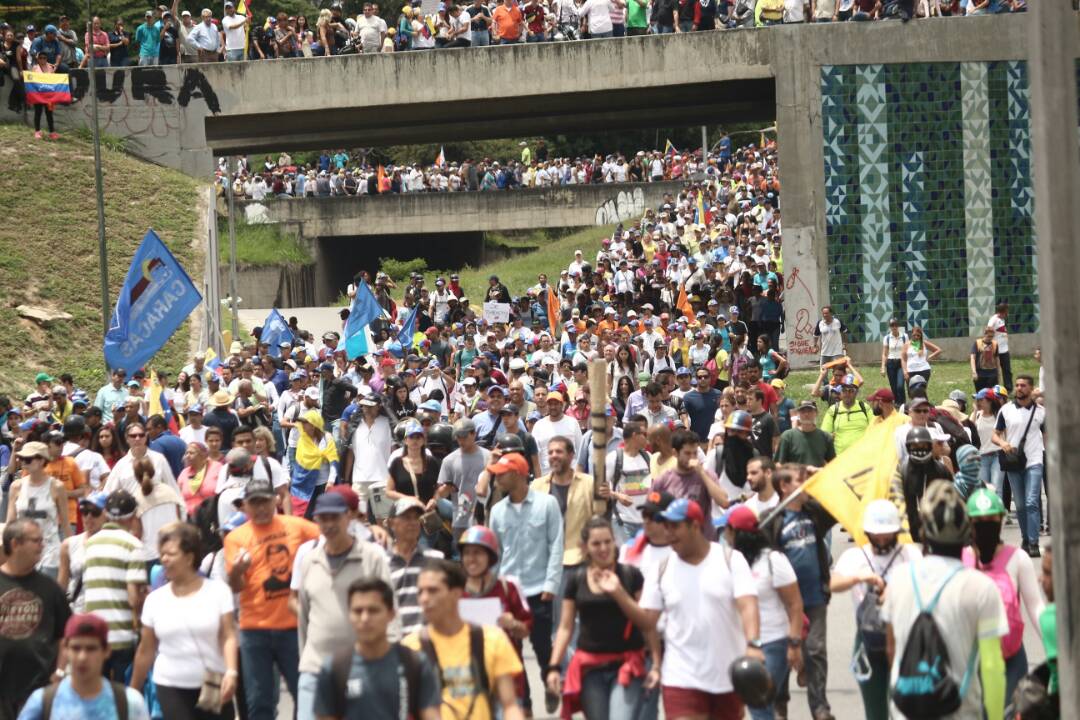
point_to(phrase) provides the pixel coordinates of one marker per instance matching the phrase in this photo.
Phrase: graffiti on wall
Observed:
(624, 206)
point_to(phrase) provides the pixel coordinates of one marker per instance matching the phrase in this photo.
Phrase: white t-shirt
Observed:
(235, 37)
(230, 488)
(703, 633)
(91, 463)
(853, 563)
(1015, 419)
(832, 342)
(545, 429)
(598, 13)
(772, 570)
(969, 609)
(370, 30)
(189, 434)
(634, 481)
(1001, 332)
(759, 507)
(122, 476)
(187, 632)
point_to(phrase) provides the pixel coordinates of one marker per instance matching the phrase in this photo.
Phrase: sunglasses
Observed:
(91, 510)
(136, 435)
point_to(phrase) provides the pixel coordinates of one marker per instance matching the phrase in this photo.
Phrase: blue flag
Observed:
(156, 297)
(275, 331)
(365, 308)
(405, 337)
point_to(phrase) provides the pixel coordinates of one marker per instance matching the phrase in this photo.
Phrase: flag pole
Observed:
(103, 256)
(230, 164)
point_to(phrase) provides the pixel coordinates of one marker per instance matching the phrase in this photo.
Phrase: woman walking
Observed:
(985, 364)
(188, 634)
(917, 354)
(892, 348)
(415, 472)
(316, 463)
(42, 498)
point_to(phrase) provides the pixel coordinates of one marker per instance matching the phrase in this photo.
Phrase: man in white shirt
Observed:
(235, 33)
(206, 38)
(709, 600)
(596, 17)
(555, 424)
(998, 321)
(1019, 428)
(371, 29)
(368, 452)
(831, 336)
(194, 431)
(759, 473)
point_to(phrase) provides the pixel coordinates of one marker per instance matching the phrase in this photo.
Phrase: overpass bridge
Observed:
(459, 212)
(905, 147)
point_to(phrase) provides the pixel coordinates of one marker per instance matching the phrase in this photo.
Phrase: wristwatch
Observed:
(794, 642)
(755, 643)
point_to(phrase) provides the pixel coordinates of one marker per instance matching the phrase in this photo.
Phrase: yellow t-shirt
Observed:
(658, 467)
(500, 660)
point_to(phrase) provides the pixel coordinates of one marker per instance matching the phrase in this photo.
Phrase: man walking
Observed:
(459, 474)
(830, 336)
(806, 444)
(847, 420)
(1019, 434)
(700, 404)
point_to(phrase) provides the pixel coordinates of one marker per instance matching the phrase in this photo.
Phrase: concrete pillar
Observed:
(799, 136)
(1052, 67)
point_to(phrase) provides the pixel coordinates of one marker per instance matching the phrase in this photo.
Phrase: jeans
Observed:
(895, 372)
(100, 62)
(541, 635)
(537, 38)
(664, 29)
(625, 531)
(815, 662)
(118, 665)
(1027, 494)
(260, 651)
(776, 661)
(603, 698)
(686, 25)
(305, 696)
(990, 472)
(145, 60)
(1016, 668)
(618, 30)
(872, 674)
(1006, 370)
(481, 38)
(234, 55)
(597, 36)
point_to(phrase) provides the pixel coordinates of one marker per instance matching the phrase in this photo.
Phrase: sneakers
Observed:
(551, 702)
(54, 136)
(37, 135)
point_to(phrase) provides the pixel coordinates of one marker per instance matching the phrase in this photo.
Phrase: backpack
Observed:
(1010, 597)
(924, 687)
(836, 411)
(205, 518)
(868, 621)
(119, 697)
(477, 668)
(408, 681)
(781, 372)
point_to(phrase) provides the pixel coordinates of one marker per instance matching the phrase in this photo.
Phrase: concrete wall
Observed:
(415, 213)
(263, 287)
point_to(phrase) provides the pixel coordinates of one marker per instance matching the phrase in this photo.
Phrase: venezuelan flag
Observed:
(669, 149)
(46, 88)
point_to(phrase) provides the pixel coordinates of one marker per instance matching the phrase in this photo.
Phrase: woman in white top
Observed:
(123, 475)
(187, 630)
(622, 365)
(780, 605)
(42, 498)
(872, 565)
(892, 349)
(917, 354)
(159, 505)
(73, 550)
(987, 404)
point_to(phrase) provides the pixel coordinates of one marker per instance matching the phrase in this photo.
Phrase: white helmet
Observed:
(881, 518)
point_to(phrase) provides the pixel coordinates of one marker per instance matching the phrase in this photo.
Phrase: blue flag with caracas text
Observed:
(365, 308)
(156, 297)
(408, 329)
(275, 331)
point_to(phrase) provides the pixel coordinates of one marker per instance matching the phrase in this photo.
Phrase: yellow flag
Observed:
(154, 395)
(856, 477)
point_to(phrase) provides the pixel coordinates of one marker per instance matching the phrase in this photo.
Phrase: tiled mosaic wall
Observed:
(929, 198)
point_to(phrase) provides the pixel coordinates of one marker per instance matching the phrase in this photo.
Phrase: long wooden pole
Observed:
(598, 423)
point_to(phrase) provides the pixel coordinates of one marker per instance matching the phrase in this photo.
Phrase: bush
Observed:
(399, 270)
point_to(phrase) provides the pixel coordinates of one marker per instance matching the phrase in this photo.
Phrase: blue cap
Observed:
(330, 504)
(15, 411)
(235, 520)
(298, 375)
(134, 383)
(414, 428)
(196, 408)
(683, 371)
(50, 29)
(96, 499)
(431, 406)
(80, 397)
(326, 366)
(534, 415)
(681, 510)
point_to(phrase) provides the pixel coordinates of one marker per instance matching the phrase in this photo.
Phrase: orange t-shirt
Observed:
(67, 471)
(507, 22)
(264, 601)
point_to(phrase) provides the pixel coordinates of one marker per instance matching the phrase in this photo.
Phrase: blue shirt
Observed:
(531, 536)
(51, 49)
(701, 407)
(109, 397)
(149, 39)
(799, 543)
(69, 705)
(784, 414)
(173, 448)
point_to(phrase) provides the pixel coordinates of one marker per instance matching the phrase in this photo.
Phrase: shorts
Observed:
(684, 702)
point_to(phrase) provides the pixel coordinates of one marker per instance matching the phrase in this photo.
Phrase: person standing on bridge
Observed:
(205, 38)
(235, 31)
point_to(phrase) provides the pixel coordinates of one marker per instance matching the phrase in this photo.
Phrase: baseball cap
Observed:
(742, 517)
(917, 402)
(464, 426)
(778, 384)
(352, 500)
(258, 488)
(96, 500)
(657, 501)
(807, 405)
(511, 462)
(405, 504)
(87, 625)
(330, 504)
(43, 377)
(916, 380)
(881, 517)
(33, 450)
(369, 401)
(883, 395)
(312, 392)
(681, 510)
(120, 505)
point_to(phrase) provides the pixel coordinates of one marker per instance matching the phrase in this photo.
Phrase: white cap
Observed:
(881, 517)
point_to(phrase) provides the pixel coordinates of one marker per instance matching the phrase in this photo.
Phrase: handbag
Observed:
(210, 692)
(1015, 460)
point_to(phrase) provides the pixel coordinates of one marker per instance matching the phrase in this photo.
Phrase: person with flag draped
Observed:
(45, 88)
(316, 463)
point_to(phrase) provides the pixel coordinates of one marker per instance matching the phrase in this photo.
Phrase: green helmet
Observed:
(984, 502)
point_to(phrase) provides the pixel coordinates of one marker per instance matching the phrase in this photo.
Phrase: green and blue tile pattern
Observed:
(929, 198)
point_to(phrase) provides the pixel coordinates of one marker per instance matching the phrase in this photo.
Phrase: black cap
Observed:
(120, 505)
(74, 427)
(259, 488)
(657, 501)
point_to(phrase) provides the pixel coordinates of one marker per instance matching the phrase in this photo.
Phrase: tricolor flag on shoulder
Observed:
(156, 297)
(46, 88)
(440, 159)
(158, 404)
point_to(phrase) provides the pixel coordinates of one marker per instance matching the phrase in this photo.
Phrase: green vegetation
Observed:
(48, 249)
(261, 244)
(945, 378)
(400, 270)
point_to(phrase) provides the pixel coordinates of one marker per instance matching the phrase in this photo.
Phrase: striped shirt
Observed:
(114, 558)
(403, 574)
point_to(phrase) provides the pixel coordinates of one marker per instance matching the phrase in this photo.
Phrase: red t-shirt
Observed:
(534, 19)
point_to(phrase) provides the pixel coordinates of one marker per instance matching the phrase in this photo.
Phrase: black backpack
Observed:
(868, 620)
(408, 681)
(477, 668)
(205, 518)
(924, 687)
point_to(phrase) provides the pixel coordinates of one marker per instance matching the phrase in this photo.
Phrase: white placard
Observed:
(480, 611)
(496, 312)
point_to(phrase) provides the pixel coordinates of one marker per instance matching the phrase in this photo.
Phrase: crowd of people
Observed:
(336, 173)
(383, 533)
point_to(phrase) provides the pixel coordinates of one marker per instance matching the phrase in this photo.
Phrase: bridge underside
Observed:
(659, 106)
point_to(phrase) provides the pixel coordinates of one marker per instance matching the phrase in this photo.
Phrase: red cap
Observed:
(388, 362)
(350, 496)
(511, 462)
(432, 330)
(883, 395)
(87, 625)
(742, 518)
